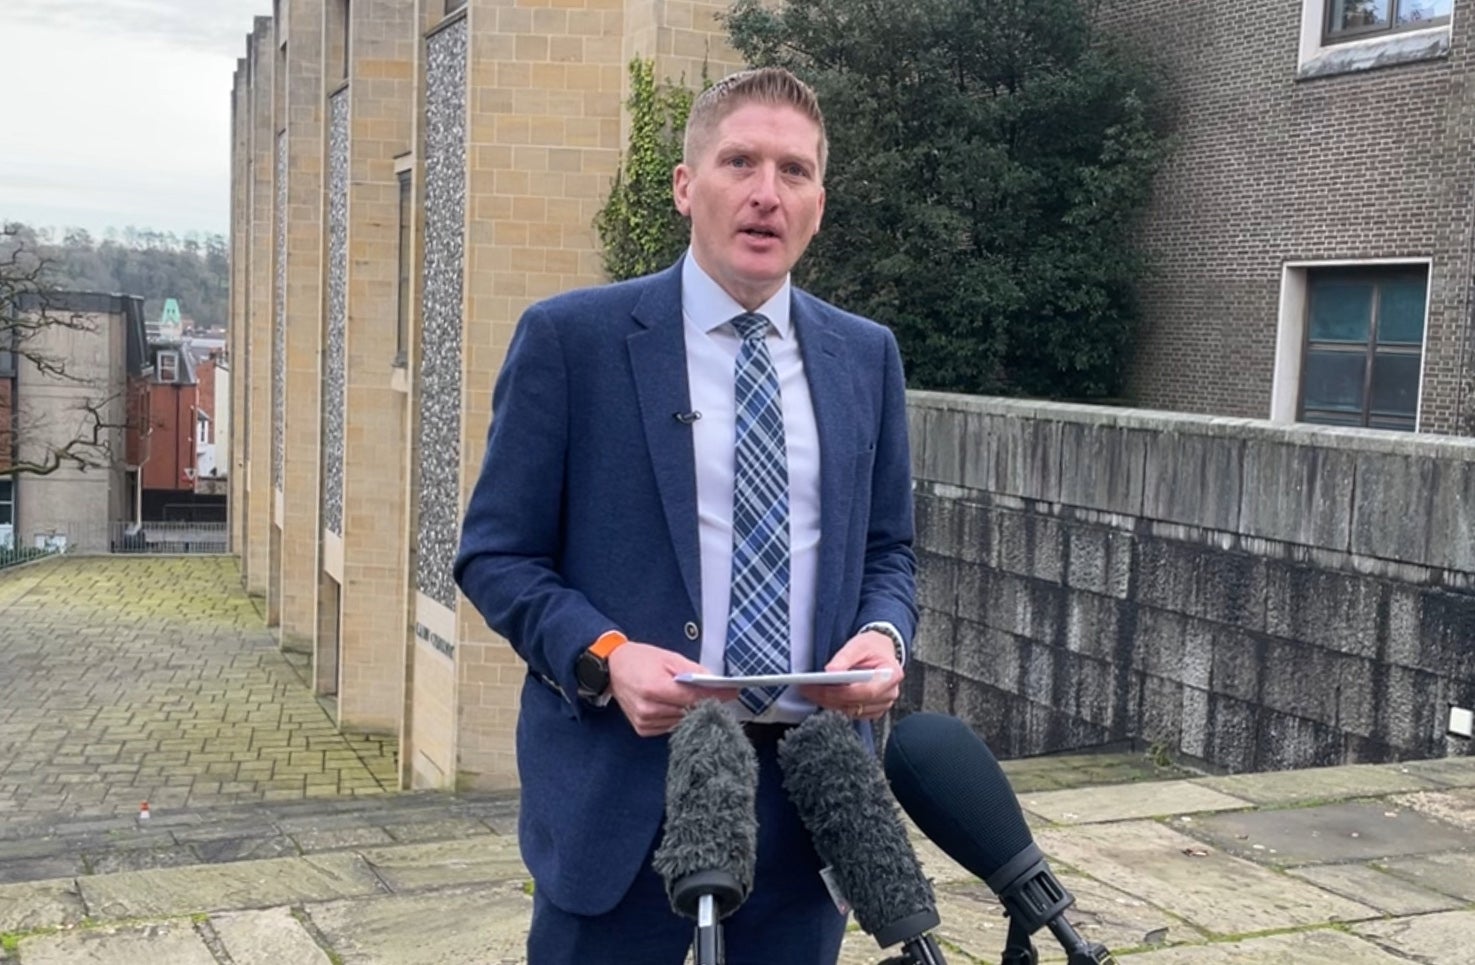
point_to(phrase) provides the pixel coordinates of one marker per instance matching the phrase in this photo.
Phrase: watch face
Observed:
(592, 673)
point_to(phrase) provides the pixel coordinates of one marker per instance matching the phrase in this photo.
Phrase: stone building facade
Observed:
(408, 176)
(1323, 165)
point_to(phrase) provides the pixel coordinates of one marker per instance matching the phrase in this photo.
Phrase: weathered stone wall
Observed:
(1251, 595)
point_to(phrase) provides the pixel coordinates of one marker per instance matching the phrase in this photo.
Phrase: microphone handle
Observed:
(706, 945)
(923, 950)
(1078, 951)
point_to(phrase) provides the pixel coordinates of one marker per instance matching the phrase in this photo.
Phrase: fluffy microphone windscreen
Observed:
(838, 789)
(948, 781)
(711, 796)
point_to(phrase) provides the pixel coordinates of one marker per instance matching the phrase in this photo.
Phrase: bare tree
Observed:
(35, 331)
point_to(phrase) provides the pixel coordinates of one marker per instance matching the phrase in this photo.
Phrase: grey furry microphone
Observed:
(836, 785)
(709, 850)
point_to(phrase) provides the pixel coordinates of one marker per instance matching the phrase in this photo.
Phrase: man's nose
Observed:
(765, 187)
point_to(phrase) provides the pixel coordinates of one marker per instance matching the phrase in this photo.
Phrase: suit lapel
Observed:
(826, 367)
(658, 363)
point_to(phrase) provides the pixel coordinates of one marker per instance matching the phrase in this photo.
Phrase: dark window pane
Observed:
(1416, 13)
(1334, 380)
(1328, 418)
(1341, 311)
(1358, 15)
(1395, 384)
(1401, 312)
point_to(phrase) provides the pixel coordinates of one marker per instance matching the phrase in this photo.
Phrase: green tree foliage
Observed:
(639, 226)
(195, 269)
(989, 159)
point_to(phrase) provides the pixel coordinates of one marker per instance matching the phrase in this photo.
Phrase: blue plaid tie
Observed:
(758, 616)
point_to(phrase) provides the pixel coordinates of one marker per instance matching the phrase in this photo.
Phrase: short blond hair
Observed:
(774, 86)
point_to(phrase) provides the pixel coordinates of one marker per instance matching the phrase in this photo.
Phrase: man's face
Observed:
(754, 198)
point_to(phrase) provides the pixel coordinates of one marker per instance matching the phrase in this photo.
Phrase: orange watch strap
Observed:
(608, 642)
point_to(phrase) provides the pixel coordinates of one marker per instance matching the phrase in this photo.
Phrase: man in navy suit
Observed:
(599, 539)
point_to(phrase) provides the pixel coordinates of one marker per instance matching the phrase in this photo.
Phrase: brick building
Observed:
(409, 175)
(1311, 233)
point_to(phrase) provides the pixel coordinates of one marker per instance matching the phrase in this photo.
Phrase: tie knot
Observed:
(751, 326)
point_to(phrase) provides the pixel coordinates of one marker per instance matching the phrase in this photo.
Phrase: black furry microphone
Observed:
(948, 781)
(837, 788)
(709, 850)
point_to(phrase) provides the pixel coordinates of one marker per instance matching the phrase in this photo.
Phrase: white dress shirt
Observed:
(712, 346)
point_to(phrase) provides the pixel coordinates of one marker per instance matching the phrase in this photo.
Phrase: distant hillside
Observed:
(194, 269)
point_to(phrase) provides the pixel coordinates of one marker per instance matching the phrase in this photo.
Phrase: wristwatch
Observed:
(592, 669)
(887, 629)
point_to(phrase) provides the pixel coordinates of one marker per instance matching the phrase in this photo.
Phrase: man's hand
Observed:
(865, 701)
(641, 682)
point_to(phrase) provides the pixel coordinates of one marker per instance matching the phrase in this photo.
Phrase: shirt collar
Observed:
(709, 307)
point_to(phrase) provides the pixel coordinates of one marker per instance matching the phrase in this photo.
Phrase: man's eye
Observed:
(738, 162)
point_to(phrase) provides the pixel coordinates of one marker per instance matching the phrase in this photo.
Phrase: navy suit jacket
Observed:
(584, 519)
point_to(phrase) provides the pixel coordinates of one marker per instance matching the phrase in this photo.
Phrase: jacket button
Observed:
(692, 631)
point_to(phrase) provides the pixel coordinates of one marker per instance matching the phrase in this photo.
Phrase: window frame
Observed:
(405, 263)
(1330, 39)
(1377, 275)
(452, 6)
(173, 367)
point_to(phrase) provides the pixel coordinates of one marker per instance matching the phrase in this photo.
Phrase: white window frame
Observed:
(1348, 56)
(172, 358)
(1290, 340)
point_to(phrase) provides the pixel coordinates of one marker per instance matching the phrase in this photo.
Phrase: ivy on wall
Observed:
(639, 226)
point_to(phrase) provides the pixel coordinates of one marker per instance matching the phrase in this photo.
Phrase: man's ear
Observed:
(681, 189)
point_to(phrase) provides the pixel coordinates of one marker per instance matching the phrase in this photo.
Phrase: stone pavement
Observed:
(132, 679)
(1353, 866)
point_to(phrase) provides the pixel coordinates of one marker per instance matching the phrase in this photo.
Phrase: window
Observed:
(453, 5)
(168, 366)
(402, 316)
(1364, 346)
(346, 23)
(1355, 19)
(7, 514)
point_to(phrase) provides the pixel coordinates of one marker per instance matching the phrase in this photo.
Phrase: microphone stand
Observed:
(705, 896)
(706, 945)
(921, 950)
(1019, 950)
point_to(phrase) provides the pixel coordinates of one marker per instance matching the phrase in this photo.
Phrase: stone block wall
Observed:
(1245, 594)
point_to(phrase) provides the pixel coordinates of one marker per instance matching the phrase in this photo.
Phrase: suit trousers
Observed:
(788, 919)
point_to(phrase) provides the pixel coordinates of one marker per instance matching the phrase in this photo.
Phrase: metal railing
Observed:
(126, 537)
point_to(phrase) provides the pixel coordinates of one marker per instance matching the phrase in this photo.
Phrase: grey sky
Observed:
(118, 111)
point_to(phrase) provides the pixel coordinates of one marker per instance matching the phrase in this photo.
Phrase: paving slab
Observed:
(1216, 892)
(146, 943)
(1321, 783)
(40, 904)
(1443, 939)
(1370, 885)
(479, 860)
(484, 924)
(271, 937)
(35, 869)
(1452, 874)
(973, 920)
(226, 887)
(435, 829)
(1330, 833)
(1320, 947)
(1123, 802)
(1448, 771)
(1455, 807)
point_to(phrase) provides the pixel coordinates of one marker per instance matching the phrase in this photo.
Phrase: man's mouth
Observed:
(759, 232)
